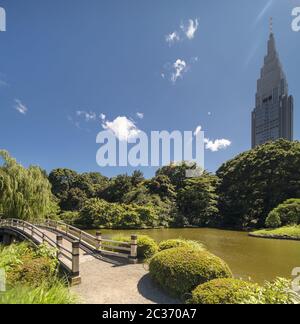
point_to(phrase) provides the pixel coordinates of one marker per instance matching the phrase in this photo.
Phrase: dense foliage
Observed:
(223, 291)
(255, 182)
(27, 266)
(24, 193)
(287, 213)
(197, 201)
(31, 276)
(180, 270)
(242, 194)
(234, 291)
(168, 199)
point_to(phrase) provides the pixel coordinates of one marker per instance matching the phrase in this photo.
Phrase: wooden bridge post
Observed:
(99, 241)
(59, 243)
(75, 280)
(133, 252)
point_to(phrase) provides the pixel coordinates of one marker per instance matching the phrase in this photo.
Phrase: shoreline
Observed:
(275, 237)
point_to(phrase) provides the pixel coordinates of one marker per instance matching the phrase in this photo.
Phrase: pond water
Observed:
(248, 257)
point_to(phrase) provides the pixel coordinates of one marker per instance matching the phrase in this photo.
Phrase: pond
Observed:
(248, 257)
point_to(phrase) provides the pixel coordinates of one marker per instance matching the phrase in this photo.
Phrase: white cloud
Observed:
(215, 146)
(122, 127)
(172, 38)
(140, 115)
(20, 107)
(191, 28)
(102, 116)
(88, 116)
(179, 68)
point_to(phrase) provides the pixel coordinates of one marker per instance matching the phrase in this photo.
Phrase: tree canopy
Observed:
(24, 193)
(255, 182)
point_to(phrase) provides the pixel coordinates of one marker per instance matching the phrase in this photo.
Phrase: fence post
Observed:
(99, 241)
(59, 243)
(75, 258)
(133, 249)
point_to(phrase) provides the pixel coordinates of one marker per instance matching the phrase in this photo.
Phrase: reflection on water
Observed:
(248, 257)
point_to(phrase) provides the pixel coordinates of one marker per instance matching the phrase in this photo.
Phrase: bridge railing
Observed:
(69, 259)
(97, 242)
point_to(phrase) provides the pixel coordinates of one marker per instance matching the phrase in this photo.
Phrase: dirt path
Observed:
(106, 283)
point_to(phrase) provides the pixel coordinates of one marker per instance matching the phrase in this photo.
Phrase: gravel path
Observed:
(106, 283)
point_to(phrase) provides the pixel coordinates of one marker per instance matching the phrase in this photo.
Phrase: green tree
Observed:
(117, 188)
(255, 182)
(137, 178)
(24, 193)
(162, 186)
(197, 201)
(176, 172)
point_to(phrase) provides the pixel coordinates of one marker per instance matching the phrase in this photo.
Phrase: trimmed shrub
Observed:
(273, 220)
(169, 244)
(180, 270)
(287, 213)
(223, 291)
(147, 247)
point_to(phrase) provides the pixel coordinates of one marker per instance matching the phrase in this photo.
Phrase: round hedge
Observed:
(174, 243)
(179, 270)
(223, 291)
(147, 247)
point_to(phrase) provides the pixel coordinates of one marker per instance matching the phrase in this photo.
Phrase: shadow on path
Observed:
(150, 291)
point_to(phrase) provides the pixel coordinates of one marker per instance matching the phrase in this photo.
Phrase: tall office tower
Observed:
(272, 117)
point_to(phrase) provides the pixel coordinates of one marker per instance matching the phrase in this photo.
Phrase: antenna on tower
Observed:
(271, 25)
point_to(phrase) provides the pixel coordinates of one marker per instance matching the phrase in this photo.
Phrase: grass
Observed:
(56, 293)
(284, 233)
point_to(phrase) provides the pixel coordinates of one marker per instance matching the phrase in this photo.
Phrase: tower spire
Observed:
(271, 25)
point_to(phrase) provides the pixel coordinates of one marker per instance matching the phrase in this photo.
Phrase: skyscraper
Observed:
(272, 117)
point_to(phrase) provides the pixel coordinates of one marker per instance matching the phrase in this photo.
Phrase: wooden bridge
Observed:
(73, 246)
(101, 271)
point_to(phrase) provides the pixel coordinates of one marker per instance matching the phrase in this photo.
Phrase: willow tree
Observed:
(24, 193)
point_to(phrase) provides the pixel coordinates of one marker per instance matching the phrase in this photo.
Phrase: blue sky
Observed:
(62, 59)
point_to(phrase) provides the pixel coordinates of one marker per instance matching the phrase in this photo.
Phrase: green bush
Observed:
(287, 213)
(223, 291)
(276, 292)
(169, 244)
(31, 272)
(273, 220)
(180, 270)
(69, 217)
(147, 247)
(25, 265)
